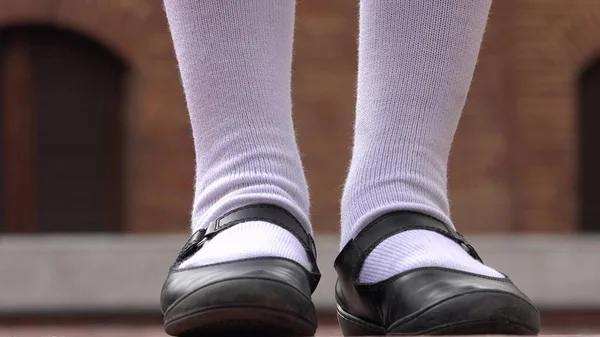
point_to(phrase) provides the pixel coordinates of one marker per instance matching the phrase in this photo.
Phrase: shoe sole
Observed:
(248, 307)
(479, 313)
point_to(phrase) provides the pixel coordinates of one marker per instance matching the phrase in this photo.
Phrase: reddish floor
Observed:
(120, 331)
(156, 331)
(554, 323)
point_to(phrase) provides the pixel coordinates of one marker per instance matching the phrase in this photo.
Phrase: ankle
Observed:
(414, 249)
(252, 239)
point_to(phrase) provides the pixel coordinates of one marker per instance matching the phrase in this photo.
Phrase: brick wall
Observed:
(514, 162)
(554, 42)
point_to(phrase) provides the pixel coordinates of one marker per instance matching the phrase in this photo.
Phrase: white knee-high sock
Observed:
(416, 62)
(235, 61)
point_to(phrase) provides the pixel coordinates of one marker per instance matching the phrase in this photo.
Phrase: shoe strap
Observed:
(355, 252)
(261, 212)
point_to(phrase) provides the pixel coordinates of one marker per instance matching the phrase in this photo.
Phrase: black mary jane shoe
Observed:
(432, 300)
(259, 296)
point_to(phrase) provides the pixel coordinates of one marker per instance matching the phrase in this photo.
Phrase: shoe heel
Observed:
(353, 327)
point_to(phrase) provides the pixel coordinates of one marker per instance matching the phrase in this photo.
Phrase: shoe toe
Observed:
(263, 295)
(475, 312)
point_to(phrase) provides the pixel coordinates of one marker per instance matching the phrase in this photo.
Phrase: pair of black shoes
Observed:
(272, 296)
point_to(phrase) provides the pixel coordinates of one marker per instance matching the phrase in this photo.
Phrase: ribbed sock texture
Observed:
(416, 63)
(235, 61)
(242, 240)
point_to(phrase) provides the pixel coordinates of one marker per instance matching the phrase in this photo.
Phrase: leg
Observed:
(416, 63)
(417, 60)
(235, 60)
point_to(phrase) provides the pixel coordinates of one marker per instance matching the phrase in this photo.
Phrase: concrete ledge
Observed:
(100, 273)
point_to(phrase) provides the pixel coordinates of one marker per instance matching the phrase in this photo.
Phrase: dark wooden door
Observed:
(589, 129)
(60, 156)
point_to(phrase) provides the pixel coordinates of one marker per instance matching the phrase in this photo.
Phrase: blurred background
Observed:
(96, 156)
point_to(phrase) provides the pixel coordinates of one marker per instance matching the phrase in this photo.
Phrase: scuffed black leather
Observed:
(183, 282)
(391, 301)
